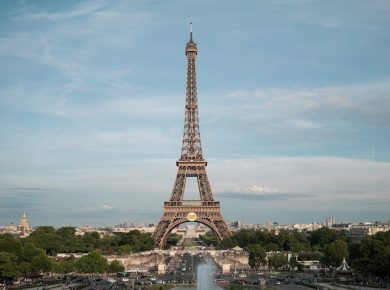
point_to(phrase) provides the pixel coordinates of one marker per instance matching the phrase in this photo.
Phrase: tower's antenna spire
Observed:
(190, 31)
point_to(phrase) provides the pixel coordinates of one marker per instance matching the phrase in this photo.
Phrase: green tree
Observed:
(10, 244)
(277, 260)
(8, 267)
(46, 238)
(271, 247)
(228, 243)
(292, 241)
(285, 240)
(66, 232)
(25, 269)
(335, 252)
(137, 240)
(372, 256)
(94, 262)
(293, 262)
(172, 240)
(70, 243)
(43, 230)
(29, 251)
(125, 250)
(33, 260)
(310, 256)
(66, 265)
(91, 241)
(209, 238)
(325, 236)
(109, 244)
(257, 256)
(40, 263)
(115, 267)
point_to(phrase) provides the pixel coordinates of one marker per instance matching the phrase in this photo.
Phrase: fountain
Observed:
(204, 276)
(204, 279)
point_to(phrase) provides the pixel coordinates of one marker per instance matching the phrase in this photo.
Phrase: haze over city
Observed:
(294, 102)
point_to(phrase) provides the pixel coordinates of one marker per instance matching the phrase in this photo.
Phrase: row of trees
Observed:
(258, 257)
(285, 240)
(371, 256)
(35, 254)
(30, 256)
(65, 240)
(27, 261)
(35, 261)
(93, 262)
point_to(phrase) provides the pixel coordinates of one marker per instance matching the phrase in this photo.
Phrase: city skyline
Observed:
(234, 224)
(294, 102)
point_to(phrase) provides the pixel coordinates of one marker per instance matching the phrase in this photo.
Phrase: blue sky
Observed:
(294, 103)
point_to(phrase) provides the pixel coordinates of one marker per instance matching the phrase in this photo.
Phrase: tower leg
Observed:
(178, 187)
(160, 232)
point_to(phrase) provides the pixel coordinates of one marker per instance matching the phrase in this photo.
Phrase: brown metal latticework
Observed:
(191, 164)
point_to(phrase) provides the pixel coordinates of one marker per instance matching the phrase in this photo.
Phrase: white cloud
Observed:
(288, 184)
(323, 109)
(362, 98)
(254, 189)
(69, 104)
(82, 9)
(78, 39)
(327, 180)
(107, 207)
(323, 178)
(254, 192)
(302, 124)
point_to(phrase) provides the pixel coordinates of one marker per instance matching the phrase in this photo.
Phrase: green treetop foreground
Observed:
(36, 253)
(329, 246)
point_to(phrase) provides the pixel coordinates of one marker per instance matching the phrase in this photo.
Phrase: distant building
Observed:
(23, 224)
(330, 221)
(357, 233)
(310, 265)
(11, 229)
(236, 224)
(306, 227)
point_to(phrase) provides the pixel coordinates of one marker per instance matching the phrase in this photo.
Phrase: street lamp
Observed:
(192, 262)
(234, 262)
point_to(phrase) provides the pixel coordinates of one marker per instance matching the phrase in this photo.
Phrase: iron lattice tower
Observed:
(191, 164)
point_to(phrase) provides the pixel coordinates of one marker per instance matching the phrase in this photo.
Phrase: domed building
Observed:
(23, 224)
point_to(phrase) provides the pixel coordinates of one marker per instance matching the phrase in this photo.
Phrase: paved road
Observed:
(291, 287)
(190, 263)
(51, 287)
(340, 287)
(297, 287)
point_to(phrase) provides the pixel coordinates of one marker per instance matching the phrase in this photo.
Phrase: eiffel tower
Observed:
(191, 164)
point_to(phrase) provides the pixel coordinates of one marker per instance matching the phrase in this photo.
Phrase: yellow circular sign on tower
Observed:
(191, 216)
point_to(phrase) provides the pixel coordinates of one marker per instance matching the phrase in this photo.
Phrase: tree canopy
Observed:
(371, 256)
(30, 256)
(93, 262)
